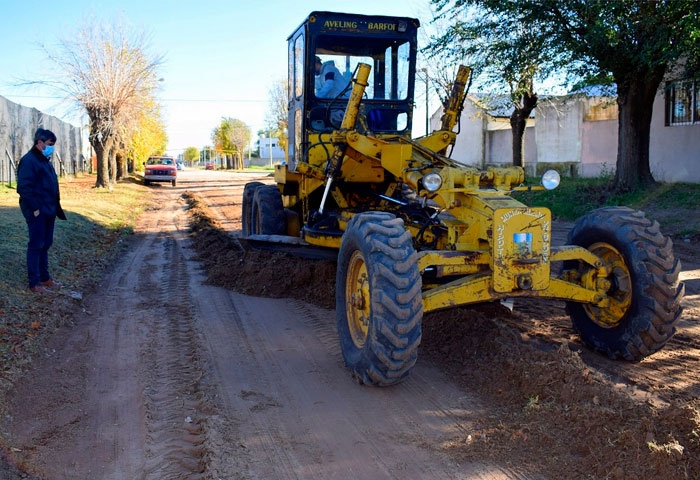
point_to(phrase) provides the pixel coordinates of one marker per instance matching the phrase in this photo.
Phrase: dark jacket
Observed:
(37, 185)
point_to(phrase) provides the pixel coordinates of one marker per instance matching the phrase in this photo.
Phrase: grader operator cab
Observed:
(416, 231)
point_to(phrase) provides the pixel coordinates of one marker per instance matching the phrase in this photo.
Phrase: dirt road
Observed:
(166, 375)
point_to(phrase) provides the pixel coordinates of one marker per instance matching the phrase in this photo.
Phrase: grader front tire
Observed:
(644, 290)
(379, 306)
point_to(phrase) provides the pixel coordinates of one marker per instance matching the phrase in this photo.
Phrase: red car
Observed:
(160, 169)
(209, 166)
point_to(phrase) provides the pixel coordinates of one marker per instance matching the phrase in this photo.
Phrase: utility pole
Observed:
(269, 145)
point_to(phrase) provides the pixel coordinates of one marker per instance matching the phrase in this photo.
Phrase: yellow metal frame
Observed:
(490, 246)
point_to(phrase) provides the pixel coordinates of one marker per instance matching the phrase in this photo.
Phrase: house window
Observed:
(682, 103)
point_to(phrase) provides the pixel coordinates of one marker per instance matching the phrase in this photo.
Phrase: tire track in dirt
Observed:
(175, 418)
(111, 400)
(323, 324)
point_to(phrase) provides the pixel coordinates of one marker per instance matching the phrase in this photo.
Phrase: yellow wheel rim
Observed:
(619, 287)
(357, 301)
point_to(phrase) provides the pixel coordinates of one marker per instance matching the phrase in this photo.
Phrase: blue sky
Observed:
(220, 56)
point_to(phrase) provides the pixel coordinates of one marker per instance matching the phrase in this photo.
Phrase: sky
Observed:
(220, 57)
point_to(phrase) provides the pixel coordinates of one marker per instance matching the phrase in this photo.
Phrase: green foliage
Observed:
(191, 154)
(148, 137)
(631, 42)
(592, 39)
(499, 48)
(231, 138)
(571, 199)
(231, 135)
(260, 168)
(667, 195)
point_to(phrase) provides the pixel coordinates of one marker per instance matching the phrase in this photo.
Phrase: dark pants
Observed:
(40, 240)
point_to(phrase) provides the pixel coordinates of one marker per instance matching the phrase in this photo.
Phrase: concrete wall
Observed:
(484, 140)
(558, 129)
(499, 147)
(598, 147)
(470, 146)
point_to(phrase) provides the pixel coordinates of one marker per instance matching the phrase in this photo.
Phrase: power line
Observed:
(217, 100)
(202, 100)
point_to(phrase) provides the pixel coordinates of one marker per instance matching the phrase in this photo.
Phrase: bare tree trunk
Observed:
(635, 101)
(517, 127)
(102, 180)
(122, 169)
(518, 123)
(112, 166)
(105, 166)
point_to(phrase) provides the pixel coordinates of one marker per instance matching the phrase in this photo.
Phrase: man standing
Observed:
(39, 200)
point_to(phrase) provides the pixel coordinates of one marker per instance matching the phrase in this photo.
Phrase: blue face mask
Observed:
(48, 151)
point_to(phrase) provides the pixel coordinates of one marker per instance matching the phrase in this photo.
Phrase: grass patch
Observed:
(260, 168)
(84, 246)
(671, 204)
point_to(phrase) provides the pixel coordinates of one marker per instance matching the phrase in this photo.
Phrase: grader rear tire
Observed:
(644, 291)
(247, 207)
(379, 306)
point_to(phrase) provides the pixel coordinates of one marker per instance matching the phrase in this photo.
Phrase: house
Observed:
(484, 132)
(674, 150)
(270, 152)
(577, 134)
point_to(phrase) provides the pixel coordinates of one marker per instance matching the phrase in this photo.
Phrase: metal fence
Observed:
(17, 127)
(8, 167)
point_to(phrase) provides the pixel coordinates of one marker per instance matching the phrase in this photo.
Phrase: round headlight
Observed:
(550, 179)
(432, 182)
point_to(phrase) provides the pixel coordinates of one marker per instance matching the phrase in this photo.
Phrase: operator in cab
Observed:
(330, 82)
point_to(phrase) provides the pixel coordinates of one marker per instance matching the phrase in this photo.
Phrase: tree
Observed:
(631, 43)
(146, 137)
(231, 138)
(502, 53)
(435, 69)
(106, 70)
(191, 154)
(277, 114)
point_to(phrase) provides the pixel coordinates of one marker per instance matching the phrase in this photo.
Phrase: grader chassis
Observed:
(416, 231)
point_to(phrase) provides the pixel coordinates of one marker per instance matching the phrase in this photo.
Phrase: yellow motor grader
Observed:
(415, 231)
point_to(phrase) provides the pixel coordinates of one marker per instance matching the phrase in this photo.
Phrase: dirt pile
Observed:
(253, 272)
(555, 411)
(556, 414)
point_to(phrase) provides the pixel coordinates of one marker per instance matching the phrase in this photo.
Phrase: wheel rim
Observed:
(357, 300)
(618, 288)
